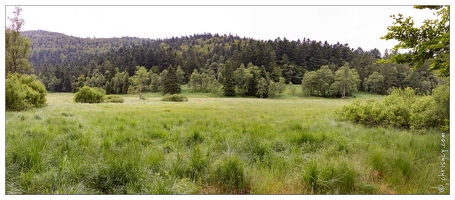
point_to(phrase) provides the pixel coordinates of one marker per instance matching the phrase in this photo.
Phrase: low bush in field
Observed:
(401, 109)
(90, 95)
(175, 98)
(113, 99)
(24, 92)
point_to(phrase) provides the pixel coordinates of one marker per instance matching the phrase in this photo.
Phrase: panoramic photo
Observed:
(227, 100)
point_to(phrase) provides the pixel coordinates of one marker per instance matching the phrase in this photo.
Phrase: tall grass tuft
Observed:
(332, 178)
(403, 164)
(195, 138)
(229, 177)
(377, 161)
(311, 177)
(28, 155)
(198, 164)
(116, 175)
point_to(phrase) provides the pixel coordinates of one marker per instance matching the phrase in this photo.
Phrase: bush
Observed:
(90, 95)
(401, 109)
(175, 98)
(113, 99)
(441, 96)
(24, 92)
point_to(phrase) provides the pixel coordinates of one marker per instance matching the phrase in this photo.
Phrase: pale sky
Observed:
(359, 26)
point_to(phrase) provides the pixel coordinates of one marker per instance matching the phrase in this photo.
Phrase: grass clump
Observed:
(229, 177)
(113, 99)
(175, 98)
(331, 178)
(116, 176)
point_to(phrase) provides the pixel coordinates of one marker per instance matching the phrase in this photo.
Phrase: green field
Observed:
(214, 145)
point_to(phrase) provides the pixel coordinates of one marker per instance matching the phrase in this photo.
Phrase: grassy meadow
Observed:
(214, 145)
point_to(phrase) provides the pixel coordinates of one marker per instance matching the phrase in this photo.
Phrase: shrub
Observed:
(401, 109)
(90, 95)
(175, 98)
(24, 92)
(441, 96)
(113, 99)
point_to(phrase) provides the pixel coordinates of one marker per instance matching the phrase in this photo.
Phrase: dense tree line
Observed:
(65, 63)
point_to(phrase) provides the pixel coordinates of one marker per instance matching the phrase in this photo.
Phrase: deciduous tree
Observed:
(17, 47)
(139, 81)
(429, 42)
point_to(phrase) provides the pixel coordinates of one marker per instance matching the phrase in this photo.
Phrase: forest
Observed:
(66, 63)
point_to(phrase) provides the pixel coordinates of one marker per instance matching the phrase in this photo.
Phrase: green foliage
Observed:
(309, 83)
(346, 81)
(175, 98)
(401, 109)
(17, 47)
(281, 85)
(90, 95)
(195, 81)
(273, 89)
(242, 77)
(139, 81)
(180, 75)
(276, 74)
(441, 96)
(263, 88)
(228, 80)
(171, 85)
(291, 88)
(113, 99)
(24, 92)
(430, 42)
(155, 82)
(374, 83)
(207, 53)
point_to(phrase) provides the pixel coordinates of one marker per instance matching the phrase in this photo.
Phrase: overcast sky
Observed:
(359, 26)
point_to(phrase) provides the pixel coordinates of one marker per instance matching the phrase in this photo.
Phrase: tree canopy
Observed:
(17, 47)
(427, 43)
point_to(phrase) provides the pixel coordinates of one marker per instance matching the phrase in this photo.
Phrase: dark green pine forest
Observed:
(206, 62)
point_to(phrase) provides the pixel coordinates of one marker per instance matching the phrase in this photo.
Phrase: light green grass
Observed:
(288, 145)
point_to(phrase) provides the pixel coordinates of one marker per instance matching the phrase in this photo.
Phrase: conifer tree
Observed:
(171, 85)
(228, 81)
